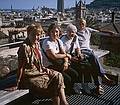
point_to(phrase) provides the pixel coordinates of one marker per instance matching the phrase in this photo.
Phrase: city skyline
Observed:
(29, 4)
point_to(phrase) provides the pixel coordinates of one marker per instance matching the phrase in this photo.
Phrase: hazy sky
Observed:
(28, 4)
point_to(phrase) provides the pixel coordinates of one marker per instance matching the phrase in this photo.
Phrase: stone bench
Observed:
(7, 97)
(100, 53)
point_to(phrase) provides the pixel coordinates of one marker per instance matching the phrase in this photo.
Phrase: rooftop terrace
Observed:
(110, 97)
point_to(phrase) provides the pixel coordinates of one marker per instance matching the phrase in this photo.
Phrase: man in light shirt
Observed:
(84, 35)
(71, 45)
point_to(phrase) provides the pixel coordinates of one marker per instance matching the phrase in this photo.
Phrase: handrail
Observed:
(9, 44)
(15, 43)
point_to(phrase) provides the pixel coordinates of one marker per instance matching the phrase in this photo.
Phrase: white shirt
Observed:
(48, 44)
(84, 37)
(67, 42)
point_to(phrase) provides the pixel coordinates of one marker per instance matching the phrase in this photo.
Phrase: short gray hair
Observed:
(72, 27)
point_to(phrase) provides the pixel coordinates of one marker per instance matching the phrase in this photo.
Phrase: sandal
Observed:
(108, 81)
(99, 90)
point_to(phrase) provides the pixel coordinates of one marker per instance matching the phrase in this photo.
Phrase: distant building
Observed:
(11, 8)
(80, 11)
(0, 21)
(60, 5)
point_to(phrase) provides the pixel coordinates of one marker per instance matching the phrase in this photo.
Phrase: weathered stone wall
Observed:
(8, 61)
(111, 43)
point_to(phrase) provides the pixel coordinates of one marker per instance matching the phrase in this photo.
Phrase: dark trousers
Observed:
(70, 76)
(93, 68)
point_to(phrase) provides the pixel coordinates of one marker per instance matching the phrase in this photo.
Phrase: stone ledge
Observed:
(9, 52)
(100, 53)
(8, 61)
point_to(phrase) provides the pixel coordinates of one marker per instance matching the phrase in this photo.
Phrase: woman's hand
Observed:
(68, 55)
(46, 70)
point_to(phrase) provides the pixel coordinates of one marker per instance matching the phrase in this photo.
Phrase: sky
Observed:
(28, 4)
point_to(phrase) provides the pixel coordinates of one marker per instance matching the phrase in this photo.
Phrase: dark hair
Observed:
(53, 26)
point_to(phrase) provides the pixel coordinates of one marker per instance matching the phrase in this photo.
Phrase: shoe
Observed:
(108, 81)
(85, 88)
(99, 90)
(77, 89)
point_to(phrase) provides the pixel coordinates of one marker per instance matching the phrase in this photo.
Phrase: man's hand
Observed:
(65, 66)
(113, 33)
(80, 56)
